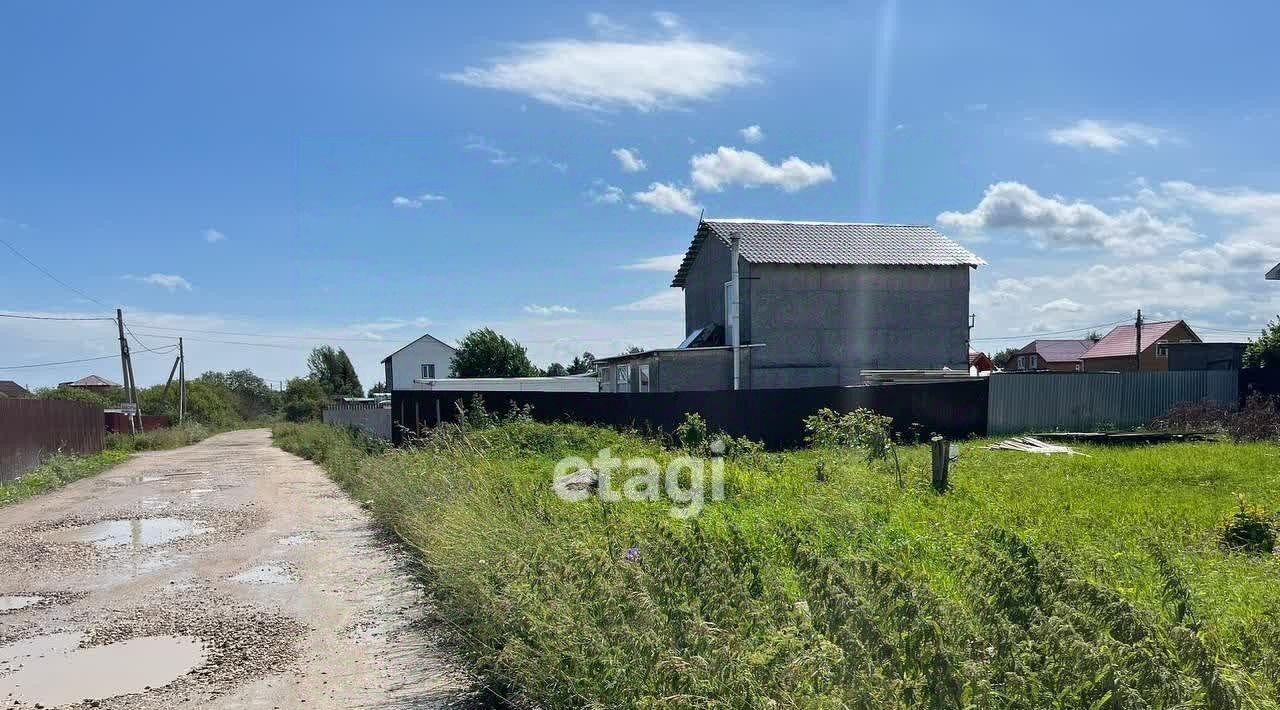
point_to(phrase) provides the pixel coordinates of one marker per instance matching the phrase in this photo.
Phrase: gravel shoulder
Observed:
(245, 557)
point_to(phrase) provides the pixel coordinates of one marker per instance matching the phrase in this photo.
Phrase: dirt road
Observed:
(228, 574)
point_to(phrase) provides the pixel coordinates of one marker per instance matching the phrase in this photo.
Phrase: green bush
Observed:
(1249, 529)
(187, 433)
(857, 429)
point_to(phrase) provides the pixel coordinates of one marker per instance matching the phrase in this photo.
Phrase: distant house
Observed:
(1274, 273)
(1049, 356)
(817, 303)
(980, 362)
(1115, 352)
(93, 383)
(12, 390)
(426, 358)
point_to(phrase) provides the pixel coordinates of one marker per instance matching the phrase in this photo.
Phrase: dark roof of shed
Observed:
(1057, 350)
(91, 381)
(830, 243)
(1274, 273)
(9, 388)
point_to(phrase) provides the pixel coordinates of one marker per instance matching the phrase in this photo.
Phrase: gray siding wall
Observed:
(817, 322)
(704, 289)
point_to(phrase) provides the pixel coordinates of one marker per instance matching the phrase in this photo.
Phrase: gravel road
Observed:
(228, 574)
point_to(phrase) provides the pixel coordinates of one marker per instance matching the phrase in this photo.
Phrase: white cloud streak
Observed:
(752, 134)
(172, 282)
(1014, 207)
(414, 203)
(666, 198)
(552, 310)
(629, 160)
(667, 263)
(1102, 135)
(667, 300)
(612, 74)
(730, 166)
(213, 236)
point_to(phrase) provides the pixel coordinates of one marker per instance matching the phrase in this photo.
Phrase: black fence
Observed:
(775, 417)
(1265, 381)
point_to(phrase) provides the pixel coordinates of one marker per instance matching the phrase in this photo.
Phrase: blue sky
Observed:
(292, 173)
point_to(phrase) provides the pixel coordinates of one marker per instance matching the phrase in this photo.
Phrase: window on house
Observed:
(642, 373)
(1162, 350)
(1022, 362)
(622, 378)
(429, 370)
(1077, 367)
(604, 378)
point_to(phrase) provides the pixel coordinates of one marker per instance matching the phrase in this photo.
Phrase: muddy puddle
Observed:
(138, 532)
(270, 573)
(14, 603)
(52, 670)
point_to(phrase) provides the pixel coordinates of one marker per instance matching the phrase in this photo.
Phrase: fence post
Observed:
(941, 463)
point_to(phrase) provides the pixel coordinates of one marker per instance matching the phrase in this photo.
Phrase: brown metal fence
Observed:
(32, 429)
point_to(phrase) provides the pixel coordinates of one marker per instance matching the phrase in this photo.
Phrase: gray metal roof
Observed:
(831, 243)
(1274, 273)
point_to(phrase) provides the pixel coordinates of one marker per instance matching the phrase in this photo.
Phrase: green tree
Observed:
(252, 395)
(555, 369)
(582, 364)
(1265, 351)
(632, 350)
(379, 387)
(111, 397)
(333, 371)
(484, 353)
(304, 399)
(1093, 336)
(1002, 358)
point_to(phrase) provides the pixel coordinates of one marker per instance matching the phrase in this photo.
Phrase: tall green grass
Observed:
(1068, 582)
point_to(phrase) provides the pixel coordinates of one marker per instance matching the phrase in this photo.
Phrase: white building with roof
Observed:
(427, 357)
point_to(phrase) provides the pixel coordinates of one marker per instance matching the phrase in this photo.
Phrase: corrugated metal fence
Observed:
(32, 429)
(1092, 401)
(368, 418)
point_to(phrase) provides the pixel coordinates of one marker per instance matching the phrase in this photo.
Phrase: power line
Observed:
(53, 364)
(46, 272)
(1024, 336)
(26, 317)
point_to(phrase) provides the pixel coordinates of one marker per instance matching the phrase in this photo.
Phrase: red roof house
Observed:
(1049, 355)
(1115, 352)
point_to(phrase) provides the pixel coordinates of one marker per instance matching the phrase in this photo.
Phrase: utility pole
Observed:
(1137, 355)
(126, 370)
(182, 382)
(968, 336)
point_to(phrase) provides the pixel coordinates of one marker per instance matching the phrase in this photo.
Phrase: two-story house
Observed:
(427, 357)
(814, 304)
(1116, 352)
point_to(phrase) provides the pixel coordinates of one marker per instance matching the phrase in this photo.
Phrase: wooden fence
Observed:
(33, 429)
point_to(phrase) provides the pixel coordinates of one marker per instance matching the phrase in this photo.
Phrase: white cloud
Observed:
(604, 194)
(611, 74)
(1064, 305)
(1107, 136)
(212, 235)
(171, 282)
(666, 198)
(671, 299)
(752, 134)
(415, 202)
(1013, 206)
(497, 156)
(667, 263)
(553, 310)
(629, 159)
(729, 166)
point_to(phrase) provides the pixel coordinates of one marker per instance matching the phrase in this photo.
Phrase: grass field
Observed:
(1087, 581)
(59, 470)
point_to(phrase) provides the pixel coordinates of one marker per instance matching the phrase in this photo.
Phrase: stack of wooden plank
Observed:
(1032, 445)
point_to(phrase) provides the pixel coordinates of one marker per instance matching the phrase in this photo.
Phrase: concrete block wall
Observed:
(852, 318)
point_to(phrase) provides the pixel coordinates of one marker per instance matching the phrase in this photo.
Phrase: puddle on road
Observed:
(70, 675)
(14, 603)
(20, 653)
(270, 573)
(138, 532)
(299, 539)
